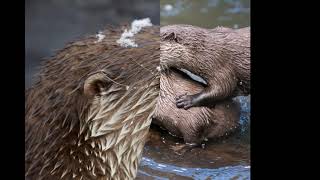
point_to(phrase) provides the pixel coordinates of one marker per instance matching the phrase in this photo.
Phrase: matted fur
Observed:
(71, 135)
(197, 124)
(221, 56)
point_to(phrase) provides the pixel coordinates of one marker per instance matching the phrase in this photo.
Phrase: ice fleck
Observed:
(100, 37)
(136, 26)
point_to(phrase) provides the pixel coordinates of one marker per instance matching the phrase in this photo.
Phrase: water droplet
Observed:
(168, 7)
(203, 146)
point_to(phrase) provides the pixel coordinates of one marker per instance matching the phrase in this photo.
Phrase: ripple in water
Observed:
(228, 172)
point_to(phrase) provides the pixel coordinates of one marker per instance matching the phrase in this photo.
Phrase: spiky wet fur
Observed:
(69, 135)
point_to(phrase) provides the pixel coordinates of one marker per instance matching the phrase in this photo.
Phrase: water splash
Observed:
(244, 112)
(227, 172)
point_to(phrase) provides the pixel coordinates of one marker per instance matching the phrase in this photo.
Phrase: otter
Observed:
(89, 112)
(198, 124)
(87, 116)
(212, 66)
(220, 56)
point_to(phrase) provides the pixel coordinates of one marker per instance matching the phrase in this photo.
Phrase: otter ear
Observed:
(95, 84)
(171, 37)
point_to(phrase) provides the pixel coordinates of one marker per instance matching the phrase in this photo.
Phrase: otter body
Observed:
(197, 124)
(88, 114)
(203, 69)
(221, 56)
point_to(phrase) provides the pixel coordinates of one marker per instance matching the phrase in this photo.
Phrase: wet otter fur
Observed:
(88, 114)
(198, 124)
(221, 56)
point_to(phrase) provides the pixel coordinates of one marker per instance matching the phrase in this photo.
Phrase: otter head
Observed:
(181, 47)
(88, 115)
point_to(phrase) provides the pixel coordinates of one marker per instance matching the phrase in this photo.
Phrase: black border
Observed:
(12, 90)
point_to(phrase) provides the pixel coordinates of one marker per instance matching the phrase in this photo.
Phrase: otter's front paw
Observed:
(184, 101)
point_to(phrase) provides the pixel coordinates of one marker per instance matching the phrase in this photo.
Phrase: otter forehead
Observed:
(195, 36)
(184, 34)
(172, 54)
(172, 50)
(180, 28)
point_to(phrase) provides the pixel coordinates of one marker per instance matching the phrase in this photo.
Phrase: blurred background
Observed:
(50, 24)
(206, 13)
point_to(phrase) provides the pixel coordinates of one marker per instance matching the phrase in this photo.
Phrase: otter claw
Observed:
(184, 101)
(180, 96)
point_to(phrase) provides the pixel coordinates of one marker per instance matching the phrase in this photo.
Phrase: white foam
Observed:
(100, 37)
(136, 26)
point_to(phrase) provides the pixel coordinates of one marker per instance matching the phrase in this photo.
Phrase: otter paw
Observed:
(184, 101)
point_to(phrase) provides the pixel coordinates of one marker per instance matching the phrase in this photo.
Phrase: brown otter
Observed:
(221, 56)
(88, 114)
(196, 124)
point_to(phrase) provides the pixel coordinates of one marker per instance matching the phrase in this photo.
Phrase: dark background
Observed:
(50, 24)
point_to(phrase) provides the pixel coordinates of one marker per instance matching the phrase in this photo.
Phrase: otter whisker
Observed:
(142, 66)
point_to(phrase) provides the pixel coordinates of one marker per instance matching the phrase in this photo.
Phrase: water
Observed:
(206, 13)
(164, 156)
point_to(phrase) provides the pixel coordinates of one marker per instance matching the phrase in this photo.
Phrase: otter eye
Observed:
(192, 76)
